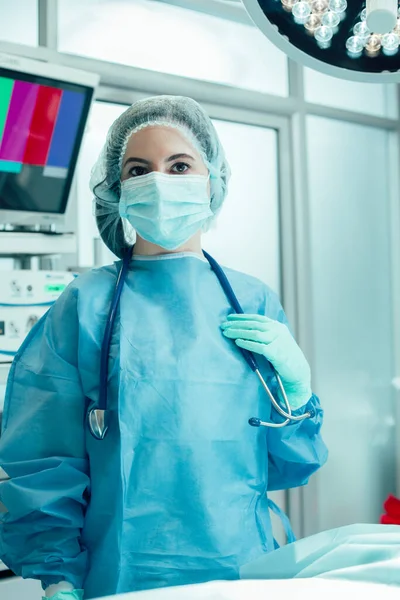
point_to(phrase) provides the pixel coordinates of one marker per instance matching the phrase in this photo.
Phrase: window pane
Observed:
(371, 98)
(352, 317)
(250, 216)
(246, 234)
(19, 22)
(160, 37)
(101, 118)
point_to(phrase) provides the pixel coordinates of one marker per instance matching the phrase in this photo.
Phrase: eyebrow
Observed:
(176, 156)
(143, 161)
(136, 160)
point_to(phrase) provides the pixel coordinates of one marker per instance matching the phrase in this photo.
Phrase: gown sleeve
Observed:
(296, 451)
(45, 472)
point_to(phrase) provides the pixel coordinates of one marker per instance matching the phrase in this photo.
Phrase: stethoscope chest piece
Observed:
(98, 425)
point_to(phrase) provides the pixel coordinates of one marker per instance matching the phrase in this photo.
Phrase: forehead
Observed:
(160, 140)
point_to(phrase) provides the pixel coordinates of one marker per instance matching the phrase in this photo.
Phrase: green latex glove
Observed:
(273, 340)
(74, 595)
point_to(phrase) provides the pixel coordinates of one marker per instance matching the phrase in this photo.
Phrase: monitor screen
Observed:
(42, 122)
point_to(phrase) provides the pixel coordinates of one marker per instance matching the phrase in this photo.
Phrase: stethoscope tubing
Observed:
(97, 417)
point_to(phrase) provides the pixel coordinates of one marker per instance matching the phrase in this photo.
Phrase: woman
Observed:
(175, 493)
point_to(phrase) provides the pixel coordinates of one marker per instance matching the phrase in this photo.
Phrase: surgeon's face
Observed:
(161, 149)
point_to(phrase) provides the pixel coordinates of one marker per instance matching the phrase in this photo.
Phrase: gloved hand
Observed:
(72, 595)
(273, 340)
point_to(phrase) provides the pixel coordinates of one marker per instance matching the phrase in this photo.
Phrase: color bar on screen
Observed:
(19, 117)
(6, 87)
(42, 126)
(64, 136)
(6, 166)
(55, 172)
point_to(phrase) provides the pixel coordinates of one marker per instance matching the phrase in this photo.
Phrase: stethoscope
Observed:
(97, 417)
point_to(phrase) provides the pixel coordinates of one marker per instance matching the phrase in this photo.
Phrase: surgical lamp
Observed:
(350, 39)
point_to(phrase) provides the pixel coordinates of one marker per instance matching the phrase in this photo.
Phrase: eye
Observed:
(180, 168)
(137, 171)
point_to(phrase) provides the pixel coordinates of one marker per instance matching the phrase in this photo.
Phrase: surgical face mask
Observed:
(166, 210)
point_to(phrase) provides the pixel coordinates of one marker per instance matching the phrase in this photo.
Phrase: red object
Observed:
(42, 126)
(392, 510)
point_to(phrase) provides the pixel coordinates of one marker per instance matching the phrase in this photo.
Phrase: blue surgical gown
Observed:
(176, 492)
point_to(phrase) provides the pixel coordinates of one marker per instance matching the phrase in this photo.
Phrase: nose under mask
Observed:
(166, 210)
